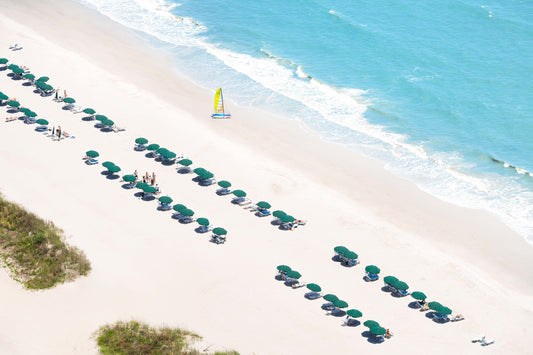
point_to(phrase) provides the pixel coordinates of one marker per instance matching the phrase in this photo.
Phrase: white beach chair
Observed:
(479, 338)
(117, 129)
(487, 342)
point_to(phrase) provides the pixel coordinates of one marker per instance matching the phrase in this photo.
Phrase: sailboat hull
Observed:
(221, 115)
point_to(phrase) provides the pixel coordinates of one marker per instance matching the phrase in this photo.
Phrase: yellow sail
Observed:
(218, 101)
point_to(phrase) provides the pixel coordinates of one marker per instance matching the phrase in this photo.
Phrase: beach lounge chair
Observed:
(328, 306)
(15, 47)
(479, 338)
(223, 191)
(91, 161)
(117, 129)
(440, 317)
(9, 119)
(207, 182)
(371, 277)
(457, 318)
(401, 293)
(164, 206)
(185, 219)
(41, 128)
(350, 262)
(29, 120)
(313, 295)
(298, 284)
(218, 239)
(350, 321)
(487, 342)
(140, 147)
(204, 229)
(424, 307)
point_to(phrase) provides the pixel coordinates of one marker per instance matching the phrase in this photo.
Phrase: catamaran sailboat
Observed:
(219, 106)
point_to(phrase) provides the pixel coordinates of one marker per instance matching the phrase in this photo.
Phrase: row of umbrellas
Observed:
(345, 252)
(27, 112)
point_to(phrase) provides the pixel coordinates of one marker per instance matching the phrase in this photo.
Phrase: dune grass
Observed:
(34, 250)
(134, 338)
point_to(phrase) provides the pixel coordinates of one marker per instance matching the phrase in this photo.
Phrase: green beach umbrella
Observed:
(179, 207)
(350, 255)
(354, 313)
(101, 117)
(12, 66)
(219, 231)
(69, 100)
(372, 269)
(3, 60)
(445, 310)
(129, 178)
(278, 213)
(140, 185)
(153, 147)
(141, 140)
(239, 193)
(29, 76)
(378, 330)
(30, 114)
(3, 96)
(187, 212)
(92, 153)
(263, 204)
(89, 111)
(199, 171)
(391, 280)
(400, 285)
(18, 70)
(161, 150)
(165, 199)
(13, 103)
(206, 175)
(340, 249)
(42, 122)
(284, 268)
(108, 122)
(314, 287)
(39, 83)
(24, 109)
(287, 219)
(203, 221)
(417, 295)
(185, 162)
(293, 274)
(114, 169)
(107, 164)
(371, 324)
(225, 184)
(43, 79)
(434, 305)
(47, 87)
(330, 297)
(149, 189)
(169, 155)
(340, 304)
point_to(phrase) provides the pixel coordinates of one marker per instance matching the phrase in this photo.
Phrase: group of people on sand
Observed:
(147, 178)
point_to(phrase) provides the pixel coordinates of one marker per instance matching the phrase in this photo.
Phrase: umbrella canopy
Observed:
(108, 122)
(206, 175)
(46, 87)
(203, 221)
(330, 297)
(113, 169)
(284, 268)
(129, 178)
(354, 313)
(107, 164)
(225, 184)
(92, 153)
(30, 114)
(141, 140)
(12, 66)
(371, 324)
(153, 146)
(24, 109)
(278, 213)
(149, 189)
(42, 122)
(161, 150)
(3, 60)
(400, 285)
(372, 269)
(89, 111)
(29, 76)
(390, 280)
(340, 304)
(3, 96)
(187, 212)
(293, 274)
(101, 118)
(340, 249)
(179, 207)
(350, 255)
(165, 199)
(219, 231)
(13, 103)
(417, 295)
(169, 155)
(43, 79)
(239, 193)
(185, 162)
(378, 330)
(141, 185)
(18, 70)
(287, 218)
(263, 204)
(314, 287)
(199, 171)
(436, 306)
(69, 100)
(445, 310)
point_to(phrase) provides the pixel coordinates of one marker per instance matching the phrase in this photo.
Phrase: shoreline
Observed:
(361, 205)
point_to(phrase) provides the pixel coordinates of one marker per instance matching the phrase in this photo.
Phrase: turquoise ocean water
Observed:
(442, 92)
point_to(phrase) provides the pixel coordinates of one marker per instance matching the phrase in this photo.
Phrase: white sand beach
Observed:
(147, 266)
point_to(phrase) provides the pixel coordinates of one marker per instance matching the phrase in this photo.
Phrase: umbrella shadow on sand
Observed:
(27, 83)
(88, 118)
(371, 338)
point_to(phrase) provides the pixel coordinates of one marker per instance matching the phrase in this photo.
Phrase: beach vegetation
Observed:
(35, 251)
(135, 338)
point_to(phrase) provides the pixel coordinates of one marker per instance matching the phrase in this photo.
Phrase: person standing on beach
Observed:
(58, 132)
(153, 178)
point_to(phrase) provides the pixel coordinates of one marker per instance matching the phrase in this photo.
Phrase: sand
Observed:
(149, 267)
